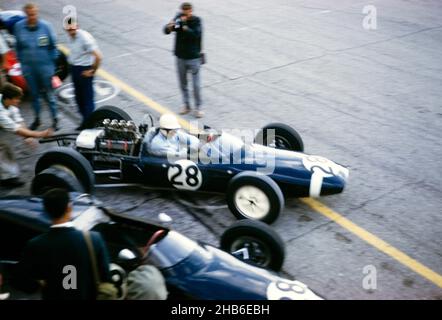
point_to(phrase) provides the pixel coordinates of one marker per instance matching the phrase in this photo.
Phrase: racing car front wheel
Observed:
(105, 112)
(55, 177)
(254, 196)
(280, 136)
(255, 243)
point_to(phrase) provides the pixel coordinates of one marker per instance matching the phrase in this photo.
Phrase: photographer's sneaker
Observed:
(185, 110)
(198, 114)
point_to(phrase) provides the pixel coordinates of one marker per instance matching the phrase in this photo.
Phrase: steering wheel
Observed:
(144, 126)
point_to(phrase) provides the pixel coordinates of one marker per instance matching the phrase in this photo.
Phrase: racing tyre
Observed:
(72, 161)
(254, 196)
(62, 66)
(55, 177)
(255, 243)
(105, 112)
(286, 138)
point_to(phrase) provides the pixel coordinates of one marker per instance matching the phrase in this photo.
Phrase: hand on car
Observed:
(46, 133)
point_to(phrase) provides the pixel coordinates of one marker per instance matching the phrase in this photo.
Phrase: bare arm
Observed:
(26, 133)
(95, 66)
(98, 58)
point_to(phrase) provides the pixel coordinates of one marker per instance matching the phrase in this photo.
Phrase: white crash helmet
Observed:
(169, 122)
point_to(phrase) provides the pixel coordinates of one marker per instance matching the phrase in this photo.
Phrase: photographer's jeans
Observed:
(183, 67)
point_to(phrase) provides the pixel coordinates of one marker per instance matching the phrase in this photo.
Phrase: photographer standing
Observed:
(188, 31)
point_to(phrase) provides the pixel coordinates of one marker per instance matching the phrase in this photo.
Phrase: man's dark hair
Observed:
(56, 202)
(10, 91)
(186, 6)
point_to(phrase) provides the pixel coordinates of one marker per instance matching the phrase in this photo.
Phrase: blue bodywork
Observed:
(10, 17)
(292, 171)
(191, 270)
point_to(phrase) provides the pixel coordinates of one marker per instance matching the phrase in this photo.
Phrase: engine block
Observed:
(116, 137)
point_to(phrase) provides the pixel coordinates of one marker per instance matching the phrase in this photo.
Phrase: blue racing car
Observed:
(255, 175)
(245, 268)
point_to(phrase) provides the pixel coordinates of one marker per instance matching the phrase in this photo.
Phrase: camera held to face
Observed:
(179, 22)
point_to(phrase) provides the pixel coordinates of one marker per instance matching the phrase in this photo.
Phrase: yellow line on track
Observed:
(317, 206)
(375, 241)
(136, 94)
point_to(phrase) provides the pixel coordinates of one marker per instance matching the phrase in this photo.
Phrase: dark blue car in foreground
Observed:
(255, 176)
(192, 270)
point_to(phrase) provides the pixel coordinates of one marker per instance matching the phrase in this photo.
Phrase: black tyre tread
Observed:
(56, 178)
(266, 184)
(284, 130)
(260, 230)
(105, 112)
(71, 159)
(62, 66)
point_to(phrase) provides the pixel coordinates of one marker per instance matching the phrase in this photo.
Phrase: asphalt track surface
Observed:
(369, 99)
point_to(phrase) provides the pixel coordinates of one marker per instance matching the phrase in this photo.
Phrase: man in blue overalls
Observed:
(37, 53)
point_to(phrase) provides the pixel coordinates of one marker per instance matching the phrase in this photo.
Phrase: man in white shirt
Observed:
(12, 122)
(84, 59)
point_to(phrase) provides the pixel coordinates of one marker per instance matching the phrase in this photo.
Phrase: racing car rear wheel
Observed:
(55, 177)
(285, 137)
(72, 160)
(105, 112)
(256, 197)
(255, 243)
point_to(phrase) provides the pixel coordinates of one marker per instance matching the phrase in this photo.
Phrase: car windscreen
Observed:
(89, 218)
(224, 146)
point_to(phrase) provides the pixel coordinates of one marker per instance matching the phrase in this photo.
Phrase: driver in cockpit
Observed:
(168, 140)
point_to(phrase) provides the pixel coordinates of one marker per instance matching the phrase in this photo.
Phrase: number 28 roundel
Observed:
(184, 174)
